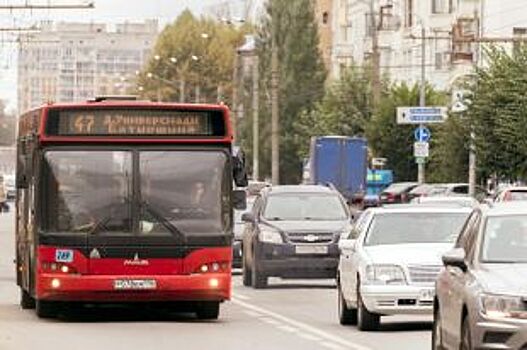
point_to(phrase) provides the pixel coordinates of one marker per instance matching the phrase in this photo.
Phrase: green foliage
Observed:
(212, 71)
(498, 113)
(344, 110)
(395, 142)
(301, 79)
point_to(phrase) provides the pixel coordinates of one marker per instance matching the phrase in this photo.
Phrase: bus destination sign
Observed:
(114, 122)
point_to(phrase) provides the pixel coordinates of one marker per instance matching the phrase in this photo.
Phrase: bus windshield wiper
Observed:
(163, 221)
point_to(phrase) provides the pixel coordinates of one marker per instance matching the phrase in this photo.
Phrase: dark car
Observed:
(239, 227)
(293, 232)
(397, 192)
(481, 299)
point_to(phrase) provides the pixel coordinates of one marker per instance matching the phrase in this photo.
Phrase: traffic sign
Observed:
(421, 115)
(422, 134)
(420, 160)
(421, 149)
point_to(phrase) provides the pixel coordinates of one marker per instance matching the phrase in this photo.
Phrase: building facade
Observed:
(67, 62)
(323, 18)
(449, 26)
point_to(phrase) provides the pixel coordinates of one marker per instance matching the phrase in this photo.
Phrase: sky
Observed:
(107, 11)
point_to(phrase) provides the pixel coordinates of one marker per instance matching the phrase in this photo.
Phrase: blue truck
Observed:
(341, 161)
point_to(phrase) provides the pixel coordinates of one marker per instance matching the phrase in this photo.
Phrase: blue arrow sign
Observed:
(422, 134)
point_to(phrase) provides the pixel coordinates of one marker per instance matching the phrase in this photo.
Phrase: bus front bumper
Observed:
(115, 288)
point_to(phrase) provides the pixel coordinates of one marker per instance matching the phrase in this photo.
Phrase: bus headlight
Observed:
(55, 283)
(267, 235)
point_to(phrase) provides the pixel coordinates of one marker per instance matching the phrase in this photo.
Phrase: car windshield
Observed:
(406, 228)
(505, 240)
(91, 192)
(304, 206)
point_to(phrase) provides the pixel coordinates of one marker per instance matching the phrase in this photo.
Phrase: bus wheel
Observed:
(26, 300)
(46, 309)
(208, 310)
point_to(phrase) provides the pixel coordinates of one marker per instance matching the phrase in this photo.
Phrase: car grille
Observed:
(423, 274)
(310, 237)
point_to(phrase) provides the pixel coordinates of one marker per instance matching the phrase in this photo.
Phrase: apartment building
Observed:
(66, 62)
(401, 26)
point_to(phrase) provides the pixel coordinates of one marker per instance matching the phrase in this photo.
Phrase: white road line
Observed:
(302, 326)
(252, 313)
(289, 329)
(242, 297)
(309, 336)
(271, 321)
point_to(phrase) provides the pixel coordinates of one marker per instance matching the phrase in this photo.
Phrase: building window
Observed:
(442, 6)
(409, 13)
(325, 17)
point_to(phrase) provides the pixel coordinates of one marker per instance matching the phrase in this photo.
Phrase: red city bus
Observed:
(126, 201)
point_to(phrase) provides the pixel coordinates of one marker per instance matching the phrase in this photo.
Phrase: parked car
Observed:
(9, 183)
(511, 194)
(481, 299)
(397, 192)
(293, 232)
(446, 200)
(390, 260)
(3, 196)
(423, 190)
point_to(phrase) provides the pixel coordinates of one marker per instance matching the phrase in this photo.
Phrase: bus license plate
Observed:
(308, 249)
(130, 284)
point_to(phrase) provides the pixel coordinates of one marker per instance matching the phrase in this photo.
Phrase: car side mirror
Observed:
(455, 258)
(248, 217)
(239, 198)
(347, 244)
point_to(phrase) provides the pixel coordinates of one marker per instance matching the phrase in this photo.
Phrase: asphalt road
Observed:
(288, 315)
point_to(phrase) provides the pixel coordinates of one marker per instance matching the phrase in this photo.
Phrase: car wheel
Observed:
(366, 321)
(208, 310)
(46, 309)
(246, 272)
(26, 300)
(347, 315)
(437, 338)
(466, 337)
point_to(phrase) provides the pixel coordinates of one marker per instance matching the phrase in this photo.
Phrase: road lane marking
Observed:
(302, 326)
(287, 328)
(309, 336)
(242, 297)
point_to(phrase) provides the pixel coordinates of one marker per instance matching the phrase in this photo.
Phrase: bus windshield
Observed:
(95, 192)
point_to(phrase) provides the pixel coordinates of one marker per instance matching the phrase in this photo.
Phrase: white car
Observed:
(390, 260)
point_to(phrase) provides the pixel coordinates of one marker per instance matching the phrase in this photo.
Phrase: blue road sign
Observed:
(422, 134)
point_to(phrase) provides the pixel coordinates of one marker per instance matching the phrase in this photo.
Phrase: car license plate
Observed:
(132, 284)
(311, 249)
(427, 295)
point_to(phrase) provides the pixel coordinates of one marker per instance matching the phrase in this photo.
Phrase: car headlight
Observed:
(385, 274)
(503, 306)
(268, 235)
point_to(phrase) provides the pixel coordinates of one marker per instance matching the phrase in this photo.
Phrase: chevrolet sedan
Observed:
(390, 260)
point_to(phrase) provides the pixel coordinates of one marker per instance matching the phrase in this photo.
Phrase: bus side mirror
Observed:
(238, 169)
(239, 198)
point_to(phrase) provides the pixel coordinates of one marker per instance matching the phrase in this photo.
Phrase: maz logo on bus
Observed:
(65, 256)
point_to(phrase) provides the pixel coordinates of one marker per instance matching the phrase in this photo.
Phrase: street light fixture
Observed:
(173, 59)
(194, 58)
(205, 35)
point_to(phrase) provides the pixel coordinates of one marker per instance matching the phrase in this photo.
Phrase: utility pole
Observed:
(256, 126)
(275, 128)
(422, 98)
(376, 64)
(234, 118)
(182, 90)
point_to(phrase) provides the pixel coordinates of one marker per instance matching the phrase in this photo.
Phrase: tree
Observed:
(345, 109)
(196, 52)
(395, 142)
(498, 114)
(7, 127)
(301, 78)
